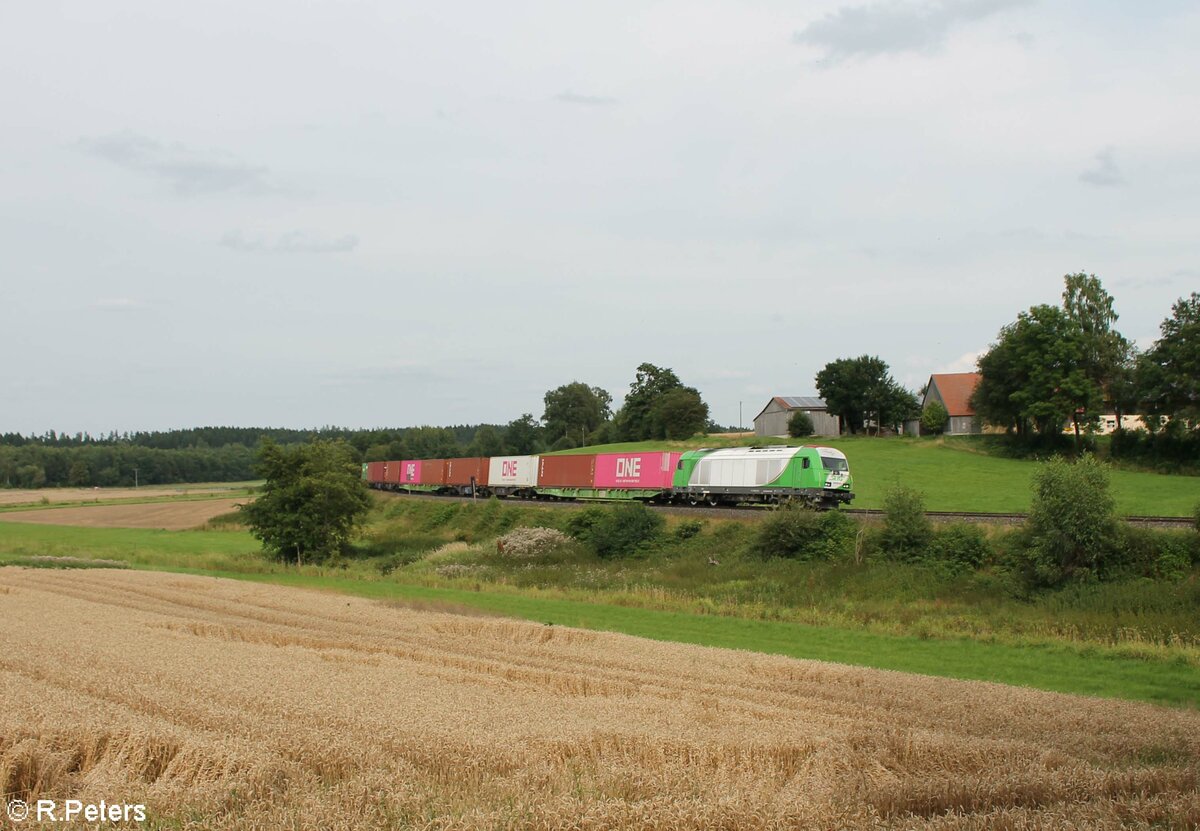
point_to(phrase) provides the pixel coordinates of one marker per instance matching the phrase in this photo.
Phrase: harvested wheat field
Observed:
(222, 704)
(169, 516)
(34, 496)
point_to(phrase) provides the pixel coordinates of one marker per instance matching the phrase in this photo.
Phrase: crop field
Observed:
(174, 515)
(35, 496)
(221, 704)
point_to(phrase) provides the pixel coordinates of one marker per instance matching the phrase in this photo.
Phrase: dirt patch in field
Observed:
(228, 705)
(169, 516)
(25, 496)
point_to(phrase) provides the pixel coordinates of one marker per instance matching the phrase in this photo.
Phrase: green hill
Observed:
(955, 475)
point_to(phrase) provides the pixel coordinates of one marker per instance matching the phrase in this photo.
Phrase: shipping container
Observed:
(410, 472)
(432, 472)
(391, 472)
(512, 472)
(472, 470)
(566, 471)
(643, 471)
(375, 472)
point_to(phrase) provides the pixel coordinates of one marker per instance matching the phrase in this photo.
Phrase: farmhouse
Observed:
(953, 390)
(773, 420)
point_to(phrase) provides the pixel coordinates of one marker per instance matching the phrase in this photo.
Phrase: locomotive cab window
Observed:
(805, 463)
(834, 463)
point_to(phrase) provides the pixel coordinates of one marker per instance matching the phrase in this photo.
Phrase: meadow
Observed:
(955, 474)
(221, 704)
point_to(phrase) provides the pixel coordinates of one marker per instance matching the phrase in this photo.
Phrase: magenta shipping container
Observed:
(650, 471)
(410, 472)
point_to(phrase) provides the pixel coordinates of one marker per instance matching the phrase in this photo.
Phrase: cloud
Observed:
(1105, 173)
(966, 362)
(292, 242)
(116, 304)
(569, 97)
(887, 28)
(185, 171)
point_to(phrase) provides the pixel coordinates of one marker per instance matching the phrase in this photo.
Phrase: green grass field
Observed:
(955, 475)
(1157, 675)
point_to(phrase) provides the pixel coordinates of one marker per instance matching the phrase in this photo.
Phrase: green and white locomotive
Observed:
(817, 476)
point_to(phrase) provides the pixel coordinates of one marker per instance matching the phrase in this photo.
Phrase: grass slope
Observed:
(235, 554)
(955, 476)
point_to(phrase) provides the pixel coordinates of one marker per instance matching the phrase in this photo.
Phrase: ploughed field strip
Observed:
(168, 516)
(222, 704)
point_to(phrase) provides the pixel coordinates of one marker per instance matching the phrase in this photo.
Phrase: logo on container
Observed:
(629, 467)
(508, 469)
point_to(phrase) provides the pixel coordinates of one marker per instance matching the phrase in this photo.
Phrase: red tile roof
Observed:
(955, 388)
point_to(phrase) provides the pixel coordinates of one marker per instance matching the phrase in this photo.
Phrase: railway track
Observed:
(756, 511)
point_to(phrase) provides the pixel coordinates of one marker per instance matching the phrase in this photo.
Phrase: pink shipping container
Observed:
(410, 472)
(375, 472)
(649, 471)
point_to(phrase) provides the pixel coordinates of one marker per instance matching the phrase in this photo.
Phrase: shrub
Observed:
(617, 531)
(961, 546)
(531, 543)
(934, 417)
(1196, 518)
(688, 528)
(1072, 529)
(800, 425)
(906, 530)
(804, 534)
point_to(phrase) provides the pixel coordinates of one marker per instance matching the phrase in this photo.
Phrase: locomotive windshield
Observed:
(834, 463)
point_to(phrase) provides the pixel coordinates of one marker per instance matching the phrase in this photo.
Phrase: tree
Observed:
(1072, 528)
(860, 388)
(934, 417)
(521, 435)
(311, 502)
(487, 442)
(574, 410)
(635, 420)
(1168, 375)
(1106, 354)
(679, 414)
(1034, 374)
(800, 425)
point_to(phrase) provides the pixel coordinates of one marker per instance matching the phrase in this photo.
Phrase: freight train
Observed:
(814, 476)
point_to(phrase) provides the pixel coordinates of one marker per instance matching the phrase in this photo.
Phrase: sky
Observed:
(392, 213)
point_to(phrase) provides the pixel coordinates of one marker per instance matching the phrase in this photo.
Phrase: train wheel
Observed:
(713, 501)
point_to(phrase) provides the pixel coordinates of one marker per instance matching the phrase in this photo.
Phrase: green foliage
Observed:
(960, 546)
(906, 530)
(659, 406)
(1169, 374)
(1034, 374)
(618, 531)
(860, 387)
(804, 534)
(521, 435)
(1196, 518)
(574, 410)
(311, 502)
(1072, 529)
(800, 425)
(934, 417)
(688, 528)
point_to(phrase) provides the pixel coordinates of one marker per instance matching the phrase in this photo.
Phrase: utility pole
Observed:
(741, 426)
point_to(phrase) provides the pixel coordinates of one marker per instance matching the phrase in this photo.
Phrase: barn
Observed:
(773, 420)
(953, 390)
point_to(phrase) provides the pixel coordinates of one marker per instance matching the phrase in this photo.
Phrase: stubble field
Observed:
(223, 704)
(174, 515)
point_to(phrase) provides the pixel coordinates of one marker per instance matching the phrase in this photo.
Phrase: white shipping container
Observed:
(512, 471)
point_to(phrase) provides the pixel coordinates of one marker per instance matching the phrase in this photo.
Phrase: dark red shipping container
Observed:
(462, 471)
(433, 471)
(391, 472)
(375, 472)
(566, 471)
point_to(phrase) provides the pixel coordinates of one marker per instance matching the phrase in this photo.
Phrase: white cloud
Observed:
(1105, 172)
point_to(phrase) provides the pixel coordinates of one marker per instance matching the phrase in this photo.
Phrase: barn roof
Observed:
(956, 388)
(797, 402)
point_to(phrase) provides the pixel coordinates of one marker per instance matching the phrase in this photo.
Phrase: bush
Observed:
(1196, 518)
(906, 530)
(531, 543)
(934, 417)
(1072, 529)
(961, 546)
(800, 425)
(805, 534)
(617, 531)
(688, 528)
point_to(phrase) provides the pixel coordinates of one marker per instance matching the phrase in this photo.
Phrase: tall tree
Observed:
(1169, 373)
(679, 414)
(311, 502)
(574, 410)
(635, 420)
(1106, 355)
(857, 389)
(521, 435)
(487, 442)
(1034, 373)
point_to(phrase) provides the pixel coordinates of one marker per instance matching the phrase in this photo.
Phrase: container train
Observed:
(815, 476)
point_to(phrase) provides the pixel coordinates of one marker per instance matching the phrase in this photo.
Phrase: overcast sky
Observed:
(385, 213)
